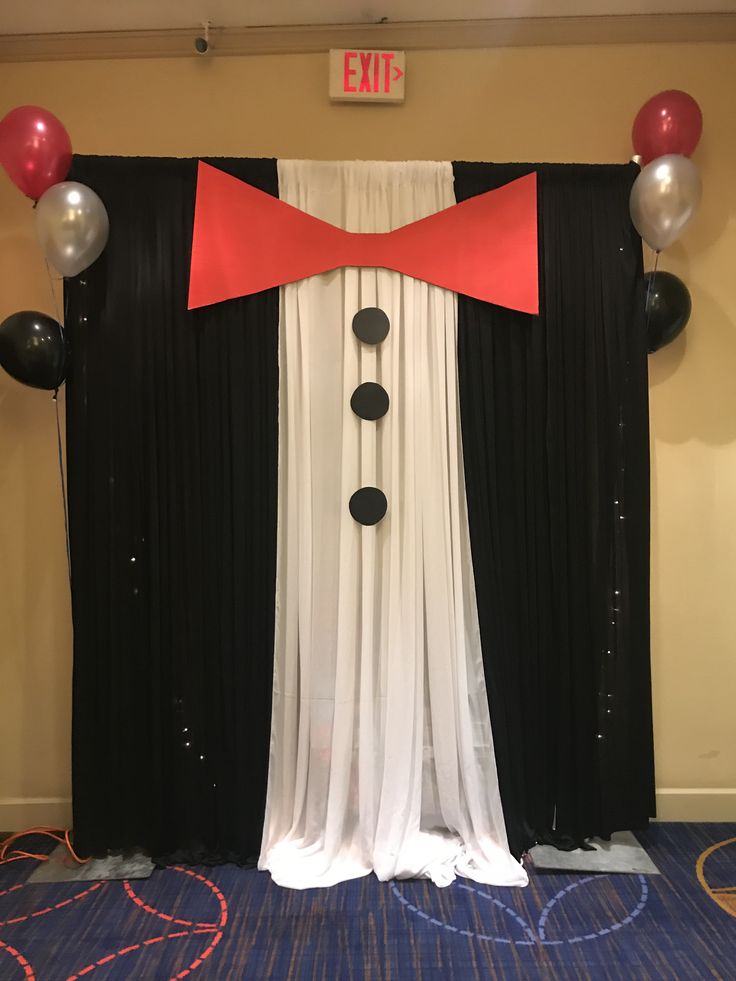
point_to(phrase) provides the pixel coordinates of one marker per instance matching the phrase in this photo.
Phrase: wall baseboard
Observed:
(17, 813)
(696, 804)
(673, 804)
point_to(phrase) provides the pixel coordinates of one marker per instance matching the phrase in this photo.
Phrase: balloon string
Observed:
(62, 479)
(62, 476)
(53, 295)
(649, 290)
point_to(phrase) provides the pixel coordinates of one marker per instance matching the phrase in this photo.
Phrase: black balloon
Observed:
(32, 349)
(668, 307)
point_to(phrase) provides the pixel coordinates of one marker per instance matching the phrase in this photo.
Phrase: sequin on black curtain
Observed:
(172, 453)
(555, 435)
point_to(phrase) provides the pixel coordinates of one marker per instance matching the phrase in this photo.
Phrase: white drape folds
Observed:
(381, 748)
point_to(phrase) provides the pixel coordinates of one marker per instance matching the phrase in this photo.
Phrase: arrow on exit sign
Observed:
(367, 76)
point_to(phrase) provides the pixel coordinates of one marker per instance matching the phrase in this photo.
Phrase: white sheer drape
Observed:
(381, 748)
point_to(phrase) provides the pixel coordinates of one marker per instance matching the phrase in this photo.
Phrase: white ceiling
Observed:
(56, 16)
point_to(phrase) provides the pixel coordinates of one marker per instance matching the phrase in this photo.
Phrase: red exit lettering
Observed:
(371, 75)
(349, 72)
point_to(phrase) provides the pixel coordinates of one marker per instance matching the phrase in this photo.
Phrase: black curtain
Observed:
(172, 456)
(555, 435)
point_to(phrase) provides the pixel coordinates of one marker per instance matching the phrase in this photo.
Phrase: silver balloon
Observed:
(664, 197)
(72, 226)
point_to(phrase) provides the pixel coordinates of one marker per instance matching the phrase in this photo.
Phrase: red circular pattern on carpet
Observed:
(213, 930)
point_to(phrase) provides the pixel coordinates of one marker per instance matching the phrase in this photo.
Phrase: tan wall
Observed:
(544, 104)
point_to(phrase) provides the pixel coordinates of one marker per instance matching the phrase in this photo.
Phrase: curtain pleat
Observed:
(172, 445)
(555, 431)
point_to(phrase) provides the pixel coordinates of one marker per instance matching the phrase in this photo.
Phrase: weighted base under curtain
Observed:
(381, 747)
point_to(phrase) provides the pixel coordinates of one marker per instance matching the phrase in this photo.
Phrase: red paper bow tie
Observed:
(245, 241)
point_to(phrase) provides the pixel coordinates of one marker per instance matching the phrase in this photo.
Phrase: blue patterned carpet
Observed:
(227, 923)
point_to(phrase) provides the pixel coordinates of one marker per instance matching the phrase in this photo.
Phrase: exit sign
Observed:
(367, 76)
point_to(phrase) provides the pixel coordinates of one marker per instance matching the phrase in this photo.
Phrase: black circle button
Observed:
(370, 325)
(368, 505)
(369, 401)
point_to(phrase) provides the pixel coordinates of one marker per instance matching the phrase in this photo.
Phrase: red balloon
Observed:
(670, 122)
(35, 149)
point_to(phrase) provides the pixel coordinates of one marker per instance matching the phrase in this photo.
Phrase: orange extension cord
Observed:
(62, 835)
